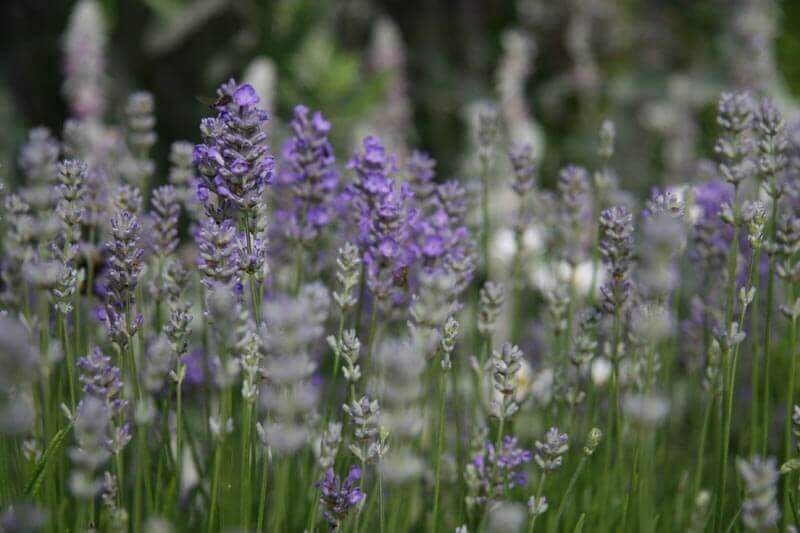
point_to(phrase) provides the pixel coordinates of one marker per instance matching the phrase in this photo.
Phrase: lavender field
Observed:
(550, 282)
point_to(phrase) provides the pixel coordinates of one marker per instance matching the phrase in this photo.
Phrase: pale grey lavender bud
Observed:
(329, 445)
(166, 210)
(158, 361)
(91, 433)
(735, 117)
(592, 441)
(760, 508)
(537, 506)
(492, 296)
(608, 134)
(369, 444)
(399, 368)
(181, 170)
(348, 275)
(549, 454)
(292, 326)
(19, 367)
(772, 147)
(140, 124)
(125, 261)
(433, 303)
(525, 167)
(177, 328)
(71, 206)
(215, 243)
(249, 349)
(616, 249)
(348, 349)
(488, 132)
(505, 364)
(128, 198)
(448, 342)
(39, 156)
(85, 49)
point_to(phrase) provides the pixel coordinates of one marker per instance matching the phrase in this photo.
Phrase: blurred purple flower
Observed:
(309, 169)
(338, 497)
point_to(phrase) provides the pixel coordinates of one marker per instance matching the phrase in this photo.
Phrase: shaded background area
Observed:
(654, 66)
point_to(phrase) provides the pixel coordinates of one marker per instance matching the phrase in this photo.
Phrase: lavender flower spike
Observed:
(338, 497)
(311, 172)
(166, 210)
(382, 222)
(616, 249)
(234, 161)
(102, 380)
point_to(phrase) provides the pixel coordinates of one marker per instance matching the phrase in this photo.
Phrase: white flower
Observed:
(601, 371)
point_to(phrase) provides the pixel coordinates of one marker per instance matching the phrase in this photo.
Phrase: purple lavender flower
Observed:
(383, 220)
(198, 365)
(309, 169)
(233, 161)
(735, 116)
(616, 248)
(91, 434)
(339, 497)
(710, 236)
(71, 207)
(19, 368)
(122, 276)
(23, 518)
(84, 60)
(216, 252)
(125, 261)
(441, 240)
(102, 380)
(39, 156)
(549, 453)
(166, 210)
(525, 167)
(491, 472)
(421, 173)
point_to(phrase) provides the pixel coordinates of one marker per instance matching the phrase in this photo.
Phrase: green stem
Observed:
(262, 499)
(573, 480)
(380, 498)
(70, 361)
(755, 379)
(698, 477)
(215, 486)
(767, 335)
(255, 300)
(140, 474)
(371, 337)
(730, 374)
(244, 496)
(178, 445)
(539, 491)
(732, 256)
(485, 228)
(439, 448)
(336, 357)
(790, 402)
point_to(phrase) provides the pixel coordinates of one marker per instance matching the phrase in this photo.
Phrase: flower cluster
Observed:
(616, 248)
(339, 496)
(382, 218)
(233, 161)
(309, 170)
(759, 510)
(493, 471)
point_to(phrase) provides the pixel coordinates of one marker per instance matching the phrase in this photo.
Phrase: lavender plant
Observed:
(186, 376)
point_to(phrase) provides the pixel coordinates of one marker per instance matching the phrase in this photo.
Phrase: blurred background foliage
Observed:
(420, 69)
